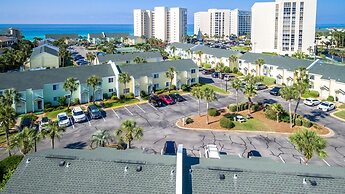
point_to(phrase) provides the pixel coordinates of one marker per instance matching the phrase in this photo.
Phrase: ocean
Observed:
(39, 30)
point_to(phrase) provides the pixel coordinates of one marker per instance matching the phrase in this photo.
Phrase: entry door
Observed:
(39, 105)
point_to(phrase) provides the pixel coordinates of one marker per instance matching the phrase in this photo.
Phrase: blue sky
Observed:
(120, 11)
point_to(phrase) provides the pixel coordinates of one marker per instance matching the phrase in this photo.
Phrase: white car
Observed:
(240, 119)
(63, 120)
(78, 115)
(311, 102)
(211, 151)
(326, 106)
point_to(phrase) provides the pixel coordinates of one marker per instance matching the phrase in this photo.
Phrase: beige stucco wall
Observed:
(45, 60)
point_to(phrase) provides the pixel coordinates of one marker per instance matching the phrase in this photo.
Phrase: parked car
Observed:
(166, 99)
(228, 77)
(326, 106)
(311, 102)
(26, 122)
(215, 75)
(155, 101)
(177, 97)
(240, 119)
(78, 114)
(44, 122)
(94, 112)
(275, 91)
(63, 120)
(170, 148)
(211, 151)
(253, 153)
(260, 86)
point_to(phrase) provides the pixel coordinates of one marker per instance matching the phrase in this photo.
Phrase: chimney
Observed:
(179, 169)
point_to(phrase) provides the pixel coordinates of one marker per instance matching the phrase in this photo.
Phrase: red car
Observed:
(166, 99)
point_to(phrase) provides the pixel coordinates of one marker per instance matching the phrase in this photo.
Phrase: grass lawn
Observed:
(52, 115)
(241, 48)
(214, 88)
(342, 106)
(340, 114)
(311, 94)
(251, 125)
(268, 81)
(113, 104)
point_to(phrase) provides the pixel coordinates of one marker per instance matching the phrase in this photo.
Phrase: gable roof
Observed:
(147, 69)
(36, 79)
(45, 49)
(287, 63)
(183, 46)
(217, 52)
(93, 171)
(329, 71)
(60, 36)
(127, 56)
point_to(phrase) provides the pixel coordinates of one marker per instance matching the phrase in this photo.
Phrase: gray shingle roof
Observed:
(93, 171)
(263, 176)
(45, 49)
(287, 63)
(329, 71)
(59, 36)
(96, 35)
(127, 56)
(147, 69)
(36, 79)
(217, 52)
(115, 34)
(183, 46)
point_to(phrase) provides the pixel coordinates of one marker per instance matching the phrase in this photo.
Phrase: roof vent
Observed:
(126, 168)
(172, 172)
(221, 176)
(235, 176)
(139, 168)
(68, 164)
(313, 182)
(304, 181)
(28, 161)
(62, 163)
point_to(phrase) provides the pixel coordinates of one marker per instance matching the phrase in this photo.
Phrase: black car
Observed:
(275, 91)
(26, 122)
(94, 112)
(155, 101)
(215, 75)
(253, 153)
(169, 148)
(177, 97)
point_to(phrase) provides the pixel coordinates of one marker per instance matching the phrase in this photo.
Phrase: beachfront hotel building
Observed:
(222, 22)
(166, 24)
(283, 26)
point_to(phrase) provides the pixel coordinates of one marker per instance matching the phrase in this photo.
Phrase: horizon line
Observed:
(121, 24)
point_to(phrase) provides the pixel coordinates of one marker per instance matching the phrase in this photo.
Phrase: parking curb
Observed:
(332, 114)
(330, 134)
(121, 106)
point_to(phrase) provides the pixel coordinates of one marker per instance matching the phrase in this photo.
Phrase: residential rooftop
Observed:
(127, 56)
(60, 36)
(216, 52)
(329, 71)
(183, 46)
(46, 48)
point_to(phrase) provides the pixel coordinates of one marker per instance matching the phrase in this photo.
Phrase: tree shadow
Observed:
(268, 101)
(316, 115)
(76, 145)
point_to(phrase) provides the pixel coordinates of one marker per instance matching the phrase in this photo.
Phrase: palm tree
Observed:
(278, 109)
(62, 53)
(200, 53)
(289, 93)
(259, 62)
(90, 56)
(23, 141)
(308, 143)
(100, 139)
(10, 97)
(198, 93)
(7, 121)
(236, 84)
(209, 96)
(124, 78)
(128, 132)
(139, 60)
(250, 90)
(173, 48)
(301, 84)
(189, 52)
(93, 81)
(170, 74)
(53, 131)
(71, 84)
(36, 136)
(233, 60)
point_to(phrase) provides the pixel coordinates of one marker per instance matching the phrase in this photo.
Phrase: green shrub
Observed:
(285, 117)
(122, 97)
(226, 123)
(307, 123)
(76, 101)
(50, 109)
(105, 96)
(233, 108)
(9, 163)
(143, 94)
(235, 70)
(130, 96)
(255, 107)
(62, 100)
(206, 66)
(212, 112)
(185, 87)
(298, 122)
(114, 98)
(47, 105)
(227, 69)
(189, 121)
(239, 73)
(330, 99)
(311, 94)
(270, 114)
(173, 87)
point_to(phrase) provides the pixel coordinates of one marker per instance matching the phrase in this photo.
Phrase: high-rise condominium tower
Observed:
(167, 24)
(284, 26)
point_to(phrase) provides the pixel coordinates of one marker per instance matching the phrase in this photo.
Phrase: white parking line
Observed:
(152, 106)
(70, 120)
(115, 113)
(88, 120)
(281, 158)
(140, 108)
(128, 110)
(326, 162)
(303, 160)
(239, 155)
(103, 118)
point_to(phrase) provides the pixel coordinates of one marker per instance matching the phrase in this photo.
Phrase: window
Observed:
(111, 90)
(156, 75)
(110, 80)
(192, 71)
(167, 84)
(156, 86)
(193, 80)
(312, 77)
(55, 87)
(126, 91)
(55, 99)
